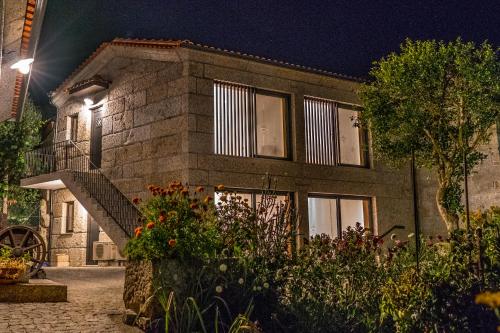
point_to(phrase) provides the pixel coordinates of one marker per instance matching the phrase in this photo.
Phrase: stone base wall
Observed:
(69, 248)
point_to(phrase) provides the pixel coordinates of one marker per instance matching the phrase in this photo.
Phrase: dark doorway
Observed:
(92, 236)
(96, 139)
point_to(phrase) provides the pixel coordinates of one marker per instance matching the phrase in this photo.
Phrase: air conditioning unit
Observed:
(104, 251)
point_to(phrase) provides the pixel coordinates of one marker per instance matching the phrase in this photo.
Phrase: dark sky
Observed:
(340, 36)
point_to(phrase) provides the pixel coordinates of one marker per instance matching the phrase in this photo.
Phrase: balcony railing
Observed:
(67, 156)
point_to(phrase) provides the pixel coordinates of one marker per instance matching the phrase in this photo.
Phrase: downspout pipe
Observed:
(2, 29)
(41, 5)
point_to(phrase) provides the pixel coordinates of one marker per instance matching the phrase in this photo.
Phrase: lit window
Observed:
(333, 135)
(350, 138)
(249, 122)
(327, 215)
(253, 198)
(270, 125)
(69, 218)
(73, 127)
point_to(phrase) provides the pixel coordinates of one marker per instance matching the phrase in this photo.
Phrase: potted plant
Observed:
(12, 270)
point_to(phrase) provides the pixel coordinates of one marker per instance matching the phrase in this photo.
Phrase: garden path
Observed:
(94, 304)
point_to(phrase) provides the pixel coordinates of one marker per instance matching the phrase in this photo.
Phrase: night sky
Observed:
(339, 36)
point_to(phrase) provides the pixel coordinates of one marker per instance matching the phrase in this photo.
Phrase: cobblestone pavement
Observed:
(94, 304)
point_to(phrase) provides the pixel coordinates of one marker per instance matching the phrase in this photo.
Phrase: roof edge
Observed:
(177, 43)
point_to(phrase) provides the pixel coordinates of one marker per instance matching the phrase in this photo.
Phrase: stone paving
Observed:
(94, 304)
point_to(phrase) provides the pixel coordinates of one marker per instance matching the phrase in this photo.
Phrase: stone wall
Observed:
(73, 244)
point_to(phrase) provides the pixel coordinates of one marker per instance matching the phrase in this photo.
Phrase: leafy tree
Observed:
(17, 138)
(438, 100)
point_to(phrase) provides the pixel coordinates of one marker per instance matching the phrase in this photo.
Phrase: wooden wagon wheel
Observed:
(22, 240)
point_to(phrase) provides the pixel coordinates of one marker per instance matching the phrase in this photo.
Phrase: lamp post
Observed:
(416, 220)
(466, 186)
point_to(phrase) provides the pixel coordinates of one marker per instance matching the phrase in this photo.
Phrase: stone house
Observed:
(141, 112)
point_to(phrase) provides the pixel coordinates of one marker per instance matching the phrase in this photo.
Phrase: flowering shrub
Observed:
(176, 224)
(217, 265)
(440, 295)
(12, 268)
(333, 286)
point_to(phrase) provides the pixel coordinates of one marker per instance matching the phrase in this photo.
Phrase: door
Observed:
(96, 139)
(92, 236)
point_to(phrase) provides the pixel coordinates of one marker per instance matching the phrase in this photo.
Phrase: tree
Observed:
(16, 138)
(438, 100)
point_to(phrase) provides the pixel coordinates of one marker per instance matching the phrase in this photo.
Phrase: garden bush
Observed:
(231, 268)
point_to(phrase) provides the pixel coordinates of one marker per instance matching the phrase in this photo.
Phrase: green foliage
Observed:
(175, 224)
(24, 206)
(354, 285)
(17, 138)
(334, 285)
(440, 295)
(224, 260)
(438, 100)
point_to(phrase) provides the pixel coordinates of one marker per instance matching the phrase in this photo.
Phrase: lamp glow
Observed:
(88, 101)
(23, 65)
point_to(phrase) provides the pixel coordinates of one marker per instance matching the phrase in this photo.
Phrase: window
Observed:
(333, 136)
(250, 122)
(69, 218)
(73, 127)
(252, 197)
(328, 215)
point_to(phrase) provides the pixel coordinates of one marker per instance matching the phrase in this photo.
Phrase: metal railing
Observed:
(67, 156)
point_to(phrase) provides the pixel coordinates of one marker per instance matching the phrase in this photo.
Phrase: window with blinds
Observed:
(333, 136)
(232, 105)
(249, 122)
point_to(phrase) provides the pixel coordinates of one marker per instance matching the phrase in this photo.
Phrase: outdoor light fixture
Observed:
(23, 65)
(88, 101)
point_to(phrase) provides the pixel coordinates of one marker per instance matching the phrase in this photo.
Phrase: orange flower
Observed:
(162, 218)
(185, 191)
(136, 200)
(172, 242)
(207, 199)
(220, 187)
(193, 205)
(199, 189)
(151, 187)
(138, 232)
(150, 225)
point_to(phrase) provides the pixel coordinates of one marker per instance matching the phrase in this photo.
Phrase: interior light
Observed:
(23, 65)
(88, 101)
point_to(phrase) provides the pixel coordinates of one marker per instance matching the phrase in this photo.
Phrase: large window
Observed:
(252, 197)
(328, 215)
(333, 136)
(250, 122)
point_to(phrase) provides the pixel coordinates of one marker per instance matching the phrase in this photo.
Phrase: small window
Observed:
(69, 218)
(73, 127)
(328, 215)
(250, 122)
(333, 135)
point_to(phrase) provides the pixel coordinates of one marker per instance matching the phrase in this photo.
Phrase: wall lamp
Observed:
(88, 101)
(23, 65)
